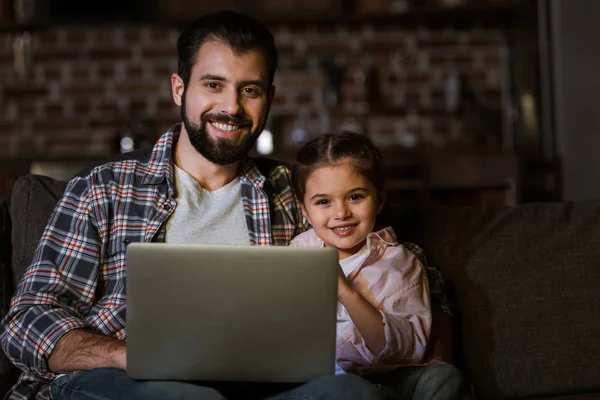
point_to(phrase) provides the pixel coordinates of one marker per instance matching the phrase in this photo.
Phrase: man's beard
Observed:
(216, 150)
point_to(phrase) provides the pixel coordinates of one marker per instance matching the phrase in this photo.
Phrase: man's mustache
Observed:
(227, 119)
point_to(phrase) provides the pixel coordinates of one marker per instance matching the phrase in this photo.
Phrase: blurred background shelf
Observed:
(445, 87)
(27, 15)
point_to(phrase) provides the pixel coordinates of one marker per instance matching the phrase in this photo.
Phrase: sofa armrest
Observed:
(8, 372)
(6, 286)
(33, 199)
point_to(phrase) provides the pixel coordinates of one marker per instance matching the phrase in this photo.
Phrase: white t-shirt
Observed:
(348, 265)
(205, 217)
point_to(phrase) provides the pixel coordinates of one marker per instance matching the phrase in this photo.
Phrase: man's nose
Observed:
(231, 102)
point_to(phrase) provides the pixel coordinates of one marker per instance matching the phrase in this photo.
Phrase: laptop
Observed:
(230, 313)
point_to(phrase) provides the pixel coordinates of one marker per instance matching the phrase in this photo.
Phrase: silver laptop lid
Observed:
(230, 313)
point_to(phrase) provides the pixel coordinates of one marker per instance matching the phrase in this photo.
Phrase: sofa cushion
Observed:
(33, 198)
(525, 283)
(587, 396)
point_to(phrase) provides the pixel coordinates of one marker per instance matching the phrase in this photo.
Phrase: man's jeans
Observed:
(111, 383)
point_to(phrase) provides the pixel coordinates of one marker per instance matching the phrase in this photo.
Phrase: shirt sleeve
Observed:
(58, 288)
(437, 286)
(404, 303)
(302, 225)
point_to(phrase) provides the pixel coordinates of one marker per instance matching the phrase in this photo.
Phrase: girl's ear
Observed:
(305, 213)
(382, 199)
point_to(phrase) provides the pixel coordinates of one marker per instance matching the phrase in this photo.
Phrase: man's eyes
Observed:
(250, 91)
(212, 85)
(247, 91)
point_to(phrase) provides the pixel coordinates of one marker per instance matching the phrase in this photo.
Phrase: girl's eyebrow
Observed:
(318, 195)
(356, 189)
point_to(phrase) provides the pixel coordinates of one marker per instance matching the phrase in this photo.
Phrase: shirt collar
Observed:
(159, 167)
(249, 171)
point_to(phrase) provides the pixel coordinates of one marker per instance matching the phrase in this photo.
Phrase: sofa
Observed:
(523, 280)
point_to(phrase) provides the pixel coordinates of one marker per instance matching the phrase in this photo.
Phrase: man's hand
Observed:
(121, 358)
(80, 350)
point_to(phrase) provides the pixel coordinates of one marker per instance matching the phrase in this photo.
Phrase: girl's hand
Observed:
(366, 318)
(344, 287)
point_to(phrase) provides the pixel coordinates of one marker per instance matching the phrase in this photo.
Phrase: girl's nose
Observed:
(342, 211)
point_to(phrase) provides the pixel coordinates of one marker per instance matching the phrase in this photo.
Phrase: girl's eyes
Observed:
(352, 197)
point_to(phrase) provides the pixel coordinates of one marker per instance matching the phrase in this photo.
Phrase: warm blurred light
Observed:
(22, 54)
(528, 108)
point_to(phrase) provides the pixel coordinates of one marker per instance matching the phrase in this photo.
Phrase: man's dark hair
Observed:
(240, 32)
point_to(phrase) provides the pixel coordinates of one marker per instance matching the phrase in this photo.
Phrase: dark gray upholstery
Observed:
(525, 283)
(523, 279)
(33, 198)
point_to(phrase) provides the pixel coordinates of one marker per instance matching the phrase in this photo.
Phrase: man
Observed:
(66, 327)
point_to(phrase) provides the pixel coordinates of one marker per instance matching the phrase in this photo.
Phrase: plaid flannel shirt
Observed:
(77, 276)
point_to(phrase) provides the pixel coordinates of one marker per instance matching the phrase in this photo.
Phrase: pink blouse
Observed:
(394, 281)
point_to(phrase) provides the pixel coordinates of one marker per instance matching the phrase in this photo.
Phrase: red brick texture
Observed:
(392, 83)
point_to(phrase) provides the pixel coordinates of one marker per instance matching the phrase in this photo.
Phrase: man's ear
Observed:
(305, 213)
(177, 88)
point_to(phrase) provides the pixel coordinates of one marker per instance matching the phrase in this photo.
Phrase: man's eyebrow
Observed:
(212, 77)
(255, 82)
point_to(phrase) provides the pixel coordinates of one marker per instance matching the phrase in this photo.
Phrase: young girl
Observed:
(384, 315)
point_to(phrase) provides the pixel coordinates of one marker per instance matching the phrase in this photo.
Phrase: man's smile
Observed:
(225, 127)
(226, 130)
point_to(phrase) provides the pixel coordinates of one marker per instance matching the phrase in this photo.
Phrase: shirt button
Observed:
(168, 207)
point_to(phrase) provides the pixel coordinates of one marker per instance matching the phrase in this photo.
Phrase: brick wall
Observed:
(392, 85)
